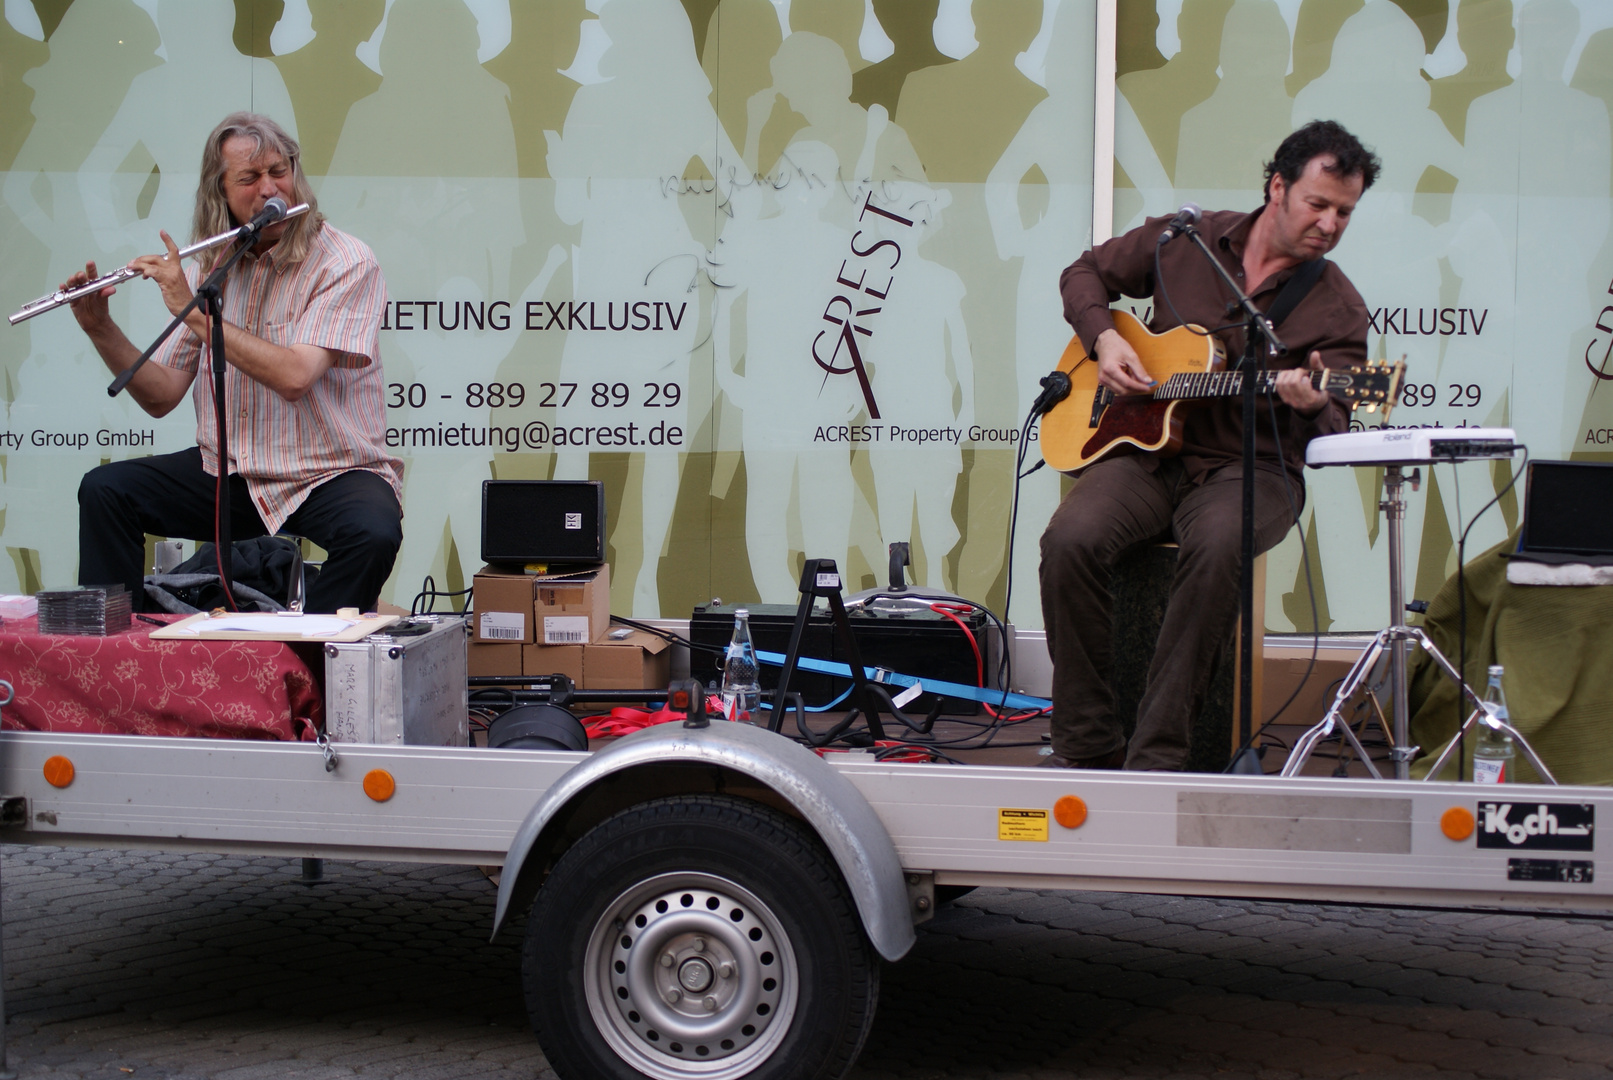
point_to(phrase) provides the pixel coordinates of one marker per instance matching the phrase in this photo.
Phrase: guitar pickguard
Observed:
(1139, 422)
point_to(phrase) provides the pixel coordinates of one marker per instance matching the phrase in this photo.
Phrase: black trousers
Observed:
(1117, 504)
(355, 517)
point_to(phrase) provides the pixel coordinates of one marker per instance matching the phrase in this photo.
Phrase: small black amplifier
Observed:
(924, 644)
(543, 521)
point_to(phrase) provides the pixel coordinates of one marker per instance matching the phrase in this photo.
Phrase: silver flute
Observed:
(124, 273)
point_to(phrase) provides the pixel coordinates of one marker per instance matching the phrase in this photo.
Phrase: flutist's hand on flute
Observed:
(155, 388)
(90, 311)
(169, 275)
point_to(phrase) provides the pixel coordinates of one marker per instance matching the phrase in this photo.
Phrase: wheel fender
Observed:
(827, 801)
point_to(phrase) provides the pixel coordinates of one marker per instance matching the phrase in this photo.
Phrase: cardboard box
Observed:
(635, 661)
(571, 610)
(538, 660)
(503, 604)
(496, 658)
(567, 607)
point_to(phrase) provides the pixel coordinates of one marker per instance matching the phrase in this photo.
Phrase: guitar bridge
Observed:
(1100, 401)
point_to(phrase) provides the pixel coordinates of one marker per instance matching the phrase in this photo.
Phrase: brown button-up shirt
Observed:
(1332, 320)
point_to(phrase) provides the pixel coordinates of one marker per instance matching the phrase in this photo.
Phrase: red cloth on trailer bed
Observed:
(130, 684)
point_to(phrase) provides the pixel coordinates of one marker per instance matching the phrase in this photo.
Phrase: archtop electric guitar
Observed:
(1189, 366)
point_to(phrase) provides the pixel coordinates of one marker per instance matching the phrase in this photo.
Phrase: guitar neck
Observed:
(1221, 384)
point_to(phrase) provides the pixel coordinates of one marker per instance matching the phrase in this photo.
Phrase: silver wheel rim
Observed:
(690, 975)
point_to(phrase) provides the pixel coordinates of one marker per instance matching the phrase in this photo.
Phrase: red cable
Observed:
(948, 610)
(980, 677)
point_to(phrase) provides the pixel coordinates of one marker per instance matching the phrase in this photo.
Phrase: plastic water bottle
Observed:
(1494, 754)
(741, 688)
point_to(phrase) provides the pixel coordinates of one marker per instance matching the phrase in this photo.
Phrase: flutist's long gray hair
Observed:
(213, 212)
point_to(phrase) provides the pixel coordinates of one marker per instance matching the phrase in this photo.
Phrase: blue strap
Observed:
(895, 678)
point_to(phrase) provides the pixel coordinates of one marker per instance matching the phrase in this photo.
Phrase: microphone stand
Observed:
(210, 293)
(1256, 324)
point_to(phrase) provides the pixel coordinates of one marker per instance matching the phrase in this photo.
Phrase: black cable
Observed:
(429, 593)
(1310, 588)
(883, 752)
(1461, 603)
(1013, 512)
(668, 635)
(1165, 294)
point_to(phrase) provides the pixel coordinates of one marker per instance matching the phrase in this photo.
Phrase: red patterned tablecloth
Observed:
(129, 684)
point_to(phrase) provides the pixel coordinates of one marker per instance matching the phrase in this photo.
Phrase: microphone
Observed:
(1187, 217)
(272, 211)
(1055, 388)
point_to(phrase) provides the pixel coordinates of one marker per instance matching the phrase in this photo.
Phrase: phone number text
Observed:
(512, 395)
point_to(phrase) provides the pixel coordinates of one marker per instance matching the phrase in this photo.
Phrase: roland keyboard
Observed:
(1411, 446)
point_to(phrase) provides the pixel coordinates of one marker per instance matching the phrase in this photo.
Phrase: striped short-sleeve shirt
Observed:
(284, 449)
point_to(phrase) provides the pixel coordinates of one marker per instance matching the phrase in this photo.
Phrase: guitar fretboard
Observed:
(1215, 384)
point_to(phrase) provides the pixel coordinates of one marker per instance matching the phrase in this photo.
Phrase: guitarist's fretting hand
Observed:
(1119, 367)
(1294, 387)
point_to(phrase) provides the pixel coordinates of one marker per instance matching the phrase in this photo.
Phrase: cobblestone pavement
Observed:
(158, 965)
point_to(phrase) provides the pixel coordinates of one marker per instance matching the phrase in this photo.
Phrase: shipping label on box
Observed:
(583, 595)
(501, 626)
(566, 630)
(503, 602)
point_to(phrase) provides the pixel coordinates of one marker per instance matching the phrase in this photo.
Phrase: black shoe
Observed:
(1114, 759)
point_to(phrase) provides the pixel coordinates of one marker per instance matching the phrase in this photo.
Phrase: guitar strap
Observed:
(1308, 274)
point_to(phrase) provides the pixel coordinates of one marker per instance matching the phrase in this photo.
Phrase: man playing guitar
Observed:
(1128, 499)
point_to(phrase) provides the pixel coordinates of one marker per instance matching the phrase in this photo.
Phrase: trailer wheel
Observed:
(698, 937)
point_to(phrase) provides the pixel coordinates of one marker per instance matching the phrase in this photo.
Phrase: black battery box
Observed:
(924, 644)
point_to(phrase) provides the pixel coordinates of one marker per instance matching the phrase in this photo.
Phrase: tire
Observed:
(698, 938)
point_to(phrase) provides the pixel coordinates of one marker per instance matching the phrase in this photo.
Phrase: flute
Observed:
(124, 273)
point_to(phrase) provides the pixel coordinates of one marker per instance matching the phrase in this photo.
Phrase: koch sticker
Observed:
(1537, 826)
(573, 521)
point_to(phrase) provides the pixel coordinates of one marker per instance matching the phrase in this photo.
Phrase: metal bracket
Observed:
(920, 895)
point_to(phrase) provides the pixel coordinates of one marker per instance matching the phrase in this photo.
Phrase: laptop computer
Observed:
(1568, 513)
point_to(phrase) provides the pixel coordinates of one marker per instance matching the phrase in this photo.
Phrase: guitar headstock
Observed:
(1373, 387)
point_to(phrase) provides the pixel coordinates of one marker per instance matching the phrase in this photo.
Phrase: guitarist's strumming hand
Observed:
(1119, 367)
(1295, 388)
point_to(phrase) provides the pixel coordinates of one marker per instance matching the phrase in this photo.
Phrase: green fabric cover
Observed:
(1556, 643)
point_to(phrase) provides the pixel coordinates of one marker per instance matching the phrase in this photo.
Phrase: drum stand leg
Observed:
(1395, 639)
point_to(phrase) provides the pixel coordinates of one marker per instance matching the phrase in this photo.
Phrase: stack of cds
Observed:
(98, 609)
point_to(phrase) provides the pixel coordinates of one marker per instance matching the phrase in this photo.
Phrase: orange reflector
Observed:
(1456, 823)
(379, 785)
(1070, 811)
(58, 771)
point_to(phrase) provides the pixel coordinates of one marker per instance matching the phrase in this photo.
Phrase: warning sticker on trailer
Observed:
(1021, 824)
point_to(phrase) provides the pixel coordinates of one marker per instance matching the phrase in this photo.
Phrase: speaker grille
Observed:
(525, 521)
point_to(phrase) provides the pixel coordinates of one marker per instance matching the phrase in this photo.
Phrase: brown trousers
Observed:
(1115, 505)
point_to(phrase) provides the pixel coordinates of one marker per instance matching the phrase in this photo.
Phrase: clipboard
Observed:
(272, 626)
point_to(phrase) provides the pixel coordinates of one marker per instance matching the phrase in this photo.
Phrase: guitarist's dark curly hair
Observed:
(1329, 137)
